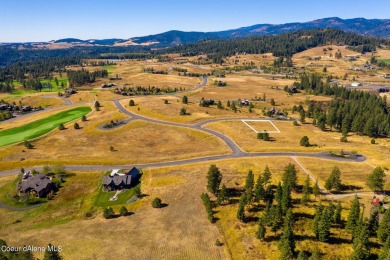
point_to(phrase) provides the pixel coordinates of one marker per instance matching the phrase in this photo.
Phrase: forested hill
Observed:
(280, 45)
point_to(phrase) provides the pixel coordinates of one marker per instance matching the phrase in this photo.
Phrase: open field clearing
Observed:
(40, 127)
(154, 107)
(289, 137)
(144, 142)
(35, 99)
(352, 173)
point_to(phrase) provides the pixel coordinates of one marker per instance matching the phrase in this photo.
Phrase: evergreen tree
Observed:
(259, 189)
(334, 180)
(384, 227)
(261, 231)
(373, 223)
(286, 198)
(385, 252)
(228, 103)
(269, 195)
(316, 189)
(267, 175)
(376, 180)
(337, 214)
(222, 195)
(306, 191)
(316, 220)
(324, 224)
(354, 215)
(123, 211)
(279, 193)
(361, 243)
(108, 213)
(233, 107)
(287, 242)
(290, 176)
(51, 254)
(131, 103)
(214, 178)
(219, 105)
(241, 208)
(184, 100)
(76, 126)
(249, 183)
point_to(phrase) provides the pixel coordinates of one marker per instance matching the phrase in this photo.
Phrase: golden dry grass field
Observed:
(179, 230)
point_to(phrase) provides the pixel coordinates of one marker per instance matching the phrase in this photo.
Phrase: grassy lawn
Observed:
(103, 197)
(387, 61)
(40, 127)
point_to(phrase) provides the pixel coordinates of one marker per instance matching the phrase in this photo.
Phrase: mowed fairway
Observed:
(41, 126)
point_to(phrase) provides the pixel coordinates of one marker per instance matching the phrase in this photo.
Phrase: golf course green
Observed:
(41, 126)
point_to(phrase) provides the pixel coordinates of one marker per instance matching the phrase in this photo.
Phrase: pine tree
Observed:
(316, 220)
(241, 208)
(290, 176)
(334, 180)
(184, 100)
(259, 189)
(131, 103)
(306, 191)
(287, 242)
(376, 180)
(219, 105)
(286, 198)
(316, 254)
(279, 193)
(261, 231)
(233, 107)
(337, 214)
(222, 195)
(324, 224)
(361, 243)
(51, 254)
(354, 215)
(249, 183)
(269, 195)
(267, 175)
(373, 223)
(228, 103)
(385, 252)
(384, 227)
(316, 190)
(214, 178)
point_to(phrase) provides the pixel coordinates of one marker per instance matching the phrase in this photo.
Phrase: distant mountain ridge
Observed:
(368, 27)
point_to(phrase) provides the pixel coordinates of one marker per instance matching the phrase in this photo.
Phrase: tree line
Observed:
(349, 111)
(80, 77)
(283, 45)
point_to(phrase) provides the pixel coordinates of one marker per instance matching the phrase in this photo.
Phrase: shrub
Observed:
(76, 126)
(131, 103)
(61, 127)
(108, 213)
(156, 203)
(166, 101)
(343, 139)
(123, 211)
(112, 149)
(295, 123)
(83, 118)
(305, 141)
(183, 111)
(218, 243)
(373, 141)
(28, 145)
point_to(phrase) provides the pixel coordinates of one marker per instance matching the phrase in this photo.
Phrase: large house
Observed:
(118, 181)
(39, 185)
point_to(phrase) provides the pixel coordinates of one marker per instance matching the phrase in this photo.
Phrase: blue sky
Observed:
(43, 20)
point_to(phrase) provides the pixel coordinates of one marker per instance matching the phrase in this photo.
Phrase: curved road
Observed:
(237, 152)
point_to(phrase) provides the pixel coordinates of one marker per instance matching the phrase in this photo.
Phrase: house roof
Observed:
(36, 182)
